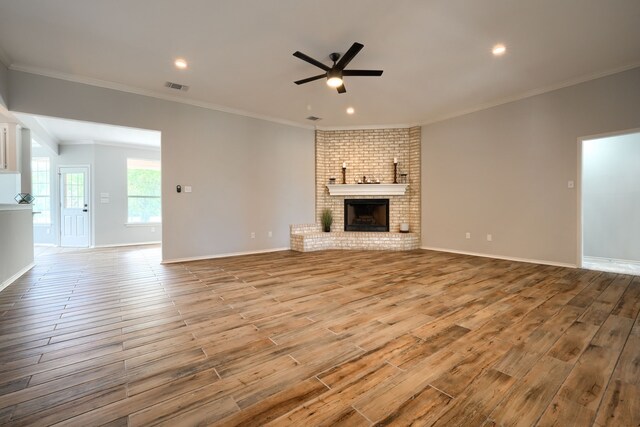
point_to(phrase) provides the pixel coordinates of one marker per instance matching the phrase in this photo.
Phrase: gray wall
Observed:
(4, 85)
(504, 170)
(611, 197)
(108, 175)
(248, 175)
(16, 241)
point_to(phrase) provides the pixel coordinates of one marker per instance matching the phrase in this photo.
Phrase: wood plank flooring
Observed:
(111, 337)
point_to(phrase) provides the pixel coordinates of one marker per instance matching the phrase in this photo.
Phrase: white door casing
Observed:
(74, 206)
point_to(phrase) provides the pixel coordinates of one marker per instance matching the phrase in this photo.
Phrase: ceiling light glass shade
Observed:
(499, 49)
(334, 81)
(180, 63)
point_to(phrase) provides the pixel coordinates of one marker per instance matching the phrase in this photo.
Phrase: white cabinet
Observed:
(10, 147)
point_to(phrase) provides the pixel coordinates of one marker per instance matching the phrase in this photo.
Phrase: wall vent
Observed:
(176, 86)
(313, 118)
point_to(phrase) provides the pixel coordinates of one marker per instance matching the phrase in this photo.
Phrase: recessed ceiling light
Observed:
(350, 110)
(180, 63)
(499, 50)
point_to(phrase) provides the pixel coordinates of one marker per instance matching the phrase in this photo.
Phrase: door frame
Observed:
(580, 189)
(90, 199)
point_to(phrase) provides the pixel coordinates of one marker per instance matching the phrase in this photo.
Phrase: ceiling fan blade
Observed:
(348, 56)
(310, 60)
(362, 73)
(341, 88)
(310, 79)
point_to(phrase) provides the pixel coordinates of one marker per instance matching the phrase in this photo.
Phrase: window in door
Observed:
(74, 191)
(143, 191)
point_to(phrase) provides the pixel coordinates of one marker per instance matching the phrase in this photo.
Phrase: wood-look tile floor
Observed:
(111, 337)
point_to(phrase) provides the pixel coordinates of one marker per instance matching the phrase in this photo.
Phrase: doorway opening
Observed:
(95, 184)
(609, 202)
(74, 206)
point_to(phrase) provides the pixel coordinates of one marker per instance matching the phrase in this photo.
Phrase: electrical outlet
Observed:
(270, 234)
(489, 237)
(467, 235)
(253, 234)
(570, 184)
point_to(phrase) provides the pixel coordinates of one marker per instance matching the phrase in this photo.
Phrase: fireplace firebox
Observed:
(366, 215)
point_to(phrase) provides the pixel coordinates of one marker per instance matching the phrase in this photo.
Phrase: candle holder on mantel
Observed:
(395, 172)
(344, 175)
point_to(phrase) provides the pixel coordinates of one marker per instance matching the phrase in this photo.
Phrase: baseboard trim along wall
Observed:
(531, 261)
(609, 260)
(199, 258)
(16, 276)
(127, 244)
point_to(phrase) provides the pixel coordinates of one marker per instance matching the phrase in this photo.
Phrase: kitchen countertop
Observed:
(14, 207)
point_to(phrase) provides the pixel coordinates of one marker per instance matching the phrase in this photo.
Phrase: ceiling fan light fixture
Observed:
(334, 81)
(334, 78)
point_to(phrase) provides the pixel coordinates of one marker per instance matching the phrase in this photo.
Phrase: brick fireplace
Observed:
(370, 153)
(367, 153)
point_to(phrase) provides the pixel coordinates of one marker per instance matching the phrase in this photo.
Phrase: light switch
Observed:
(104, 200)
(104, 195)
(187, 189)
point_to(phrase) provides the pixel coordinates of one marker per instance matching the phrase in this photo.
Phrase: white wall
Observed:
(108, 175)
(9, 187)
(248, 175)
(611, 197)
(504, 170)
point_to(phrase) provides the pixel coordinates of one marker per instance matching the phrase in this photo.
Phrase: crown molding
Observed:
(150, 93)
(534, 92)
(369, 127)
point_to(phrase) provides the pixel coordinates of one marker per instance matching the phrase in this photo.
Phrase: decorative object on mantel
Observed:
(395, 170)
(404, 227)
(368, 190)
(403, 178)
(332, 180)
(24, 198)
(366, 180)
(344, 172)
(326, 219)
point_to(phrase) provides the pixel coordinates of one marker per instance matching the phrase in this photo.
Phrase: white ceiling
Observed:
(436, 55)
(68, 132)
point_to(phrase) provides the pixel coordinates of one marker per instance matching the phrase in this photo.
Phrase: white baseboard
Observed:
(199, 258)
(602, 260)
(127, 244)
(15, 277)
(531, 261)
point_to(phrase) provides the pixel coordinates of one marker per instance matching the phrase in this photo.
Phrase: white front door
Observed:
(74, 207)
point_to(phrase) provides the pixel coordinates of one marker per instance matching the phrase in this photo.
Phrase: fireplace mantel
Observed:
(367, 189)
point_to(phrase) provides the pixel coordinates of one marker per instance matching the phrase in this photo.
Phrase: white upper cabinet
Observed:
(10, 147)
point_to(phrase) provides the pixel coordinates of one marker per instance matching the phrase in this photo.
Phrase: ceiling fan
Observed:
(336, 72)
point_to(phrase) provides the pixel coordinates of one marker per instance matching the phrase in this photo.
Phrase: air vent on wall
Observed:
(313, 118)
(176, 86)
